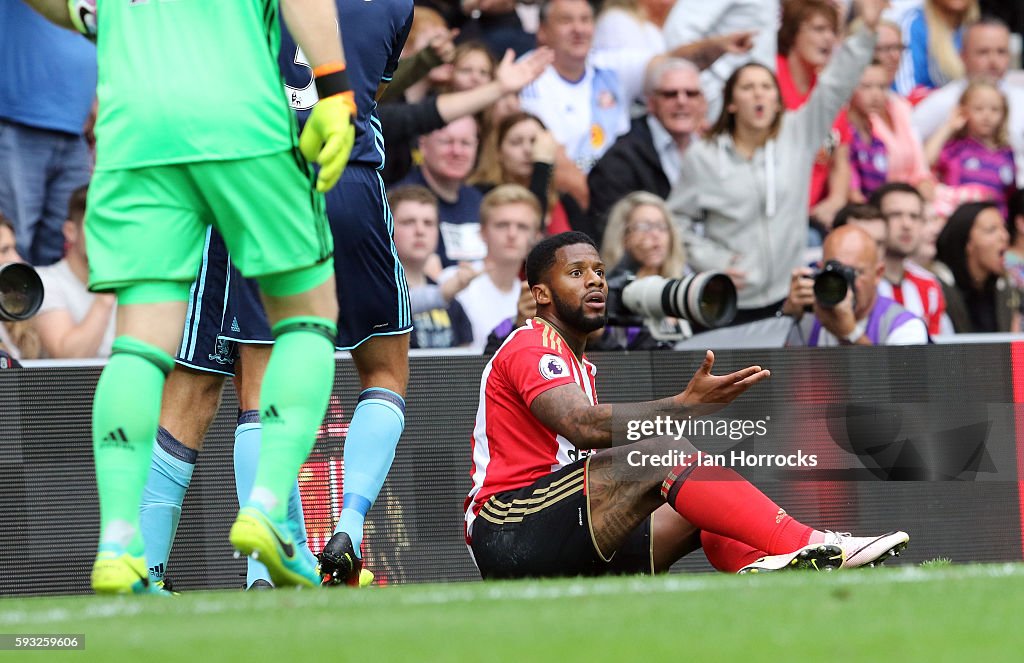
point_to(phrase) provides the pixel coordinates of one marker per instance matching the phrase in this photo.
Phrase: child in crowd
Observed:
(884, 147)
(973, 146)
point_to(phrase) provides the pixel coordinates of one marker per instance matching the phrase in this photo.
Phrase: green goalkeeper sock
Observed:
(126, 410)
(296, 389)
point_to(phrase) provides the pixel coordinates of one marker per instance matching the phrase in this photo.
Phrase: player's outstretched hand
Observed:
(327, 138)
(709, 393)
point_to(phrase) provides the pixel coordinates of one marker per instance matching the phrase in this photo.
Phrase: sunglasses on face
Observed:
(689, 93)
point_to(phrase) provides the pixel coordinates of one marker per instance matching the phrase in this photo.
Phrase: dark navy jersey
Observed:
(374, 33)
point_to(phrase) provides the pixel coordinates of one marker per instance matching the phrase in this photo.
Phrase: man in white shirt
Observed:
(509, 225)
(584, 96)
(73, 322)
(986, 55)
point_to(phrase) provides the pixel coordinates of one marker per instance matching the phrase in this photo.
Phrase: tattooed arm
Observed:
(567, 411)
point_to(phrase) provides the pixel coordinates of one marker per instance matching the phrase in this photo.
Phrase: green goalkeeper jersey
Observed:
(189, 80)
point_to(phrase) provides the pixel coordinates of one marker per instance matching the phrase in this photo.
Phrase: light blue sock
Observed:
(247, 456)
(297, 525)
(377, 423)
(170, 472)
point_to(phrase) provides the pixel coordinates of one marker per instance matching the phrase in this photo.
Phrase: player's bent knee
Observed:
(192, 387)
(383, 361)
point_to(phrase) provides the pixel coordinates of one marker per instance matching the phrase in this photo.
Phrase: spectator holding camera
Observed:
(862, 316)
(642, 240)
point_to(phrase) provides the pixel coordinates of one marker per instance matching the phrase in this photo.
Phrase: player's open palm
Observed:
(327, 138)
(707, 393)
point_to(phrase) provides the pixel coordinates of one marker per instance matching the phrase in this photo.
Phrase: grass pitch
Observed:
(935, 613)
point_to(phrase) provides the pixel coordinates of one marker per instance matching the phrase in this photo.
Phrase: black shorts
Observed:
(373, 299)
(544, 530)
(224, 309)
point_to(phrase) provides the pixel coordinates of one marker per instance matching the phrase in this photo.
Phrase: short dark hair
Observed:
(542, 257)
(76, 204)
(856, 212)
(1016, 209)
(892, 187)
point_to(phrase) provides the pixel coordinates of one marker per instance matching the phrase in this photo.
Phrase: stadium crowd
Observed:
(756, 163)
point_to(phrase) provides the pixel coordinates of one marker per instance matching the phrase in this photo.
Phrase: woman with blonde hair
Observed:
(641, 238)
(934, 35)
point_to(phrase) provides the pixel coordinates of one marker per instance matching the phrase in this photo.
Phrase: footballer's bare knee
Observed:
(190, 403)
(383, 361)
(249, 371)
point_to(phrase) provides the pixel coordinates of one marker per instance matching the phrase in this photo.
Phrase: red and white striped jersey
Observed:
(920, 293)
(511, 447)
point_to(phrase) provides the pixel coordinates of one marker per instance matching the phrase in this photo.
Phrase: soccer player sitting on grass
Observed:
(541, 505)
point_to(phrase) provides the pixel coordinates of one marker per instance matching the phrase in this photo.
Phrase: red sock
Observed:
(727, 554)
(719, 500)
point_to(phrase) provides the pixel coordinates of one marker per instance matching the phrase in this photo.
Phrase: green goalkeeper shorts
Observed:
(149, 224)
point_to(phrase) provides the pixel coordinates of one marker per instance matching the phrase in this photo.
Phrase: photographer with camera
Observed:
(844, 301)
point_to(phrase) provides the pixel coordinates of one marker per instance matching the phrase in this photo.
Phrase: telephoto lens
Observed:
(21, 292)
(705, 298)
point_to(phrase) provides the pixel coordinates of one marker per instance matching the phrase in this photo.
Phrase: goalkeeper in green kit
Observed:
(194, 129)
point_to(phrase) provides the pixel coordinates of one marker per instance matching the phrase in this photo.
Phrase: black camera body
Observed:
(832, 282)
(705, 298)
(21, 292)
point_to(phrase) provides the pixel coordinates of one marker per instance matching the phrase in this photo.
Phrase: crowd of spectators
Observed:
(730, 135)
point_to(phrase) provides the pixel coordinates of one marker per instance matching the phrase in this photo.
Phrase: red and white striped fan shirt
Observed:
(511, 448)
(920, 293)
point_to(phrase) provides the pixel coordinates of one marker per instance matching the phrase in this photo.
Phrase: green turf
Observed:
(952, 613)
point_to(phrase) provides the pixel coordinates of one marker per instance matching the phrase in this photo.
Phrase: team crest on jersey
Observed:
(553, 366)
